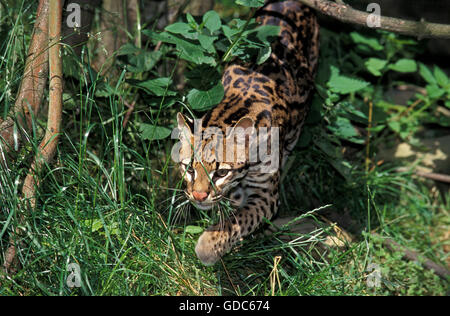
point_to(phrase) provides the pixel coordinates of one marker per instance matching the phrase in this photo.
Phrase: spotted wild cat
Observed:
(273, 97)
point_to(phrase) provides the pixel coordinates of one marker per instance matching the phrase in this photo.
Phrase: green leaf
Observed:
(203, 77)
(434, 91)
(212, 22)
(203, 100)
(404, 65)
(153, 132)
(263, 54)
(344, 129)
(371, 42)
(143, 60)
(440, 76)
(344, 85)
(103, 90)
(127, 49)
(266, 33)
(188, 50)
(207, 42)
(191, 20)
(374, 65)
(426, 74)
(94, 224)
(179, 28)
(251, 3)
(193, 230)
(158, 86)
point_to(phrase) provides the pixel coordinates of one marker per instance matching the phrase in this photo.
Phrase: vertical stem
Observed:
(47, 147)
(32, 86)
(368, 137)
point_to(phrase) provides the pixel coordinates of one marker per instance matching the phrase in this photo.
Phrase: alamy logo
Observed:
(74, 278)
(374, 18)
(236, 145)
(74, 18)
(374, 277)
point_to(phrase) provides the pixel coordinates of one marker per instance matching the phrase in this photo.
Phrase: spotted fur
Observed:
(274, 94)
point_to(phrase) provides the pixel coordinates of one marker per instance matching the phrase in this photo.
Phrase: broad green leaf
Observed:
(251, 3)
(127, 49)
(434, 91)
(158, 86)
(374, 65)
(404, 65)
(205, 99)
(188, 51)
(94, 224)
(263, 54)
(193, 230)
(426, 74)
(229, 32)
(352, 113)
(191, 20)
(344, 129)
(440, 76)
(178, 28)
(265, 32)
(153, 132)
(207, 42)
(344, 85)
(212, 22)
(369, 41)
(144, 60)
(203, 77)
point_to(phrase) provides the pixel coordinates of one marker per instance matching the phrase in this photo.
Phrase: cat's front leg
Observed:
(217, 240)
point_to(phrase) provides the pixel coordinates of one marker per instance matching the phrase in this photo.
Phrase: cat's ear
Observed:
(245, 127)
(185, 125)
(246, 123)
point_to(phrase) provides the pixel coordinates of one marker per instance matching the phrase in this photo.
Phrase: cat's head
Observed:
(212, 160)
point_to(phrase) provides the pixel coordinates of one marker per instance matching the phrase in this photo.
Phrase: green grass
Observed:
(111, 204)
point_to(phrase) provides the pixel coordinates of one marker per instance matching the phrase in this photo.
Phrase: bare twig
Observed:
(47, 147)
(129, 111)
(345, 13)
(429, 175)
(33, 83)
(414, 256)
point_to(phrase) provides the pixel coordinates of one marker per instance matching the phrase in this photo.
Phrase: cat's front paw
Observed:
(209, 248)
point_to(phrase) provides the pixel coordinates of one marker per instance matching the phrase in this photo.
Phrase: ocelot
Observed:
(269, 102)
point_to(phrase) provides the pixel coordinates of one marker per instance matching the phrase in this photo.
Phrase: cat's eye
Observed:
(221, 173)
(188, 168)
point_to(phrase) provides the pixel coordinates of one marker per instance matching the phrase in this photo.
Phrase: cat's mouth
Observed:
(204, 205)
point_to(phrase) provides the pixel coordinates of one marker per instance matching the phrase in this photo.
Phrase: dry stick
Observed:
(345, 13)
(33, 82)
(47, 147)
(368, 137)
(429, 175)
(414, 256)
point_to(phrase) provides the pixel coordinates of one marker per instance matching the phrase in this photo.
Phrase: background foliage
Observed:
(113, 202)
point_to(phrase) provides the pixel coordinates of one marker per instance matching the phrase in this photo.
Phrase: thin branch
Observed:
(345, 13)
(429, 175)
(47, 147)
(33, 83)
(411, 255)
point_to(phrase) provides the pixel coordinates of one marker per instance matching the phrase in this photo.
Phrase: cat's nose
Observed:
(200, 196)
